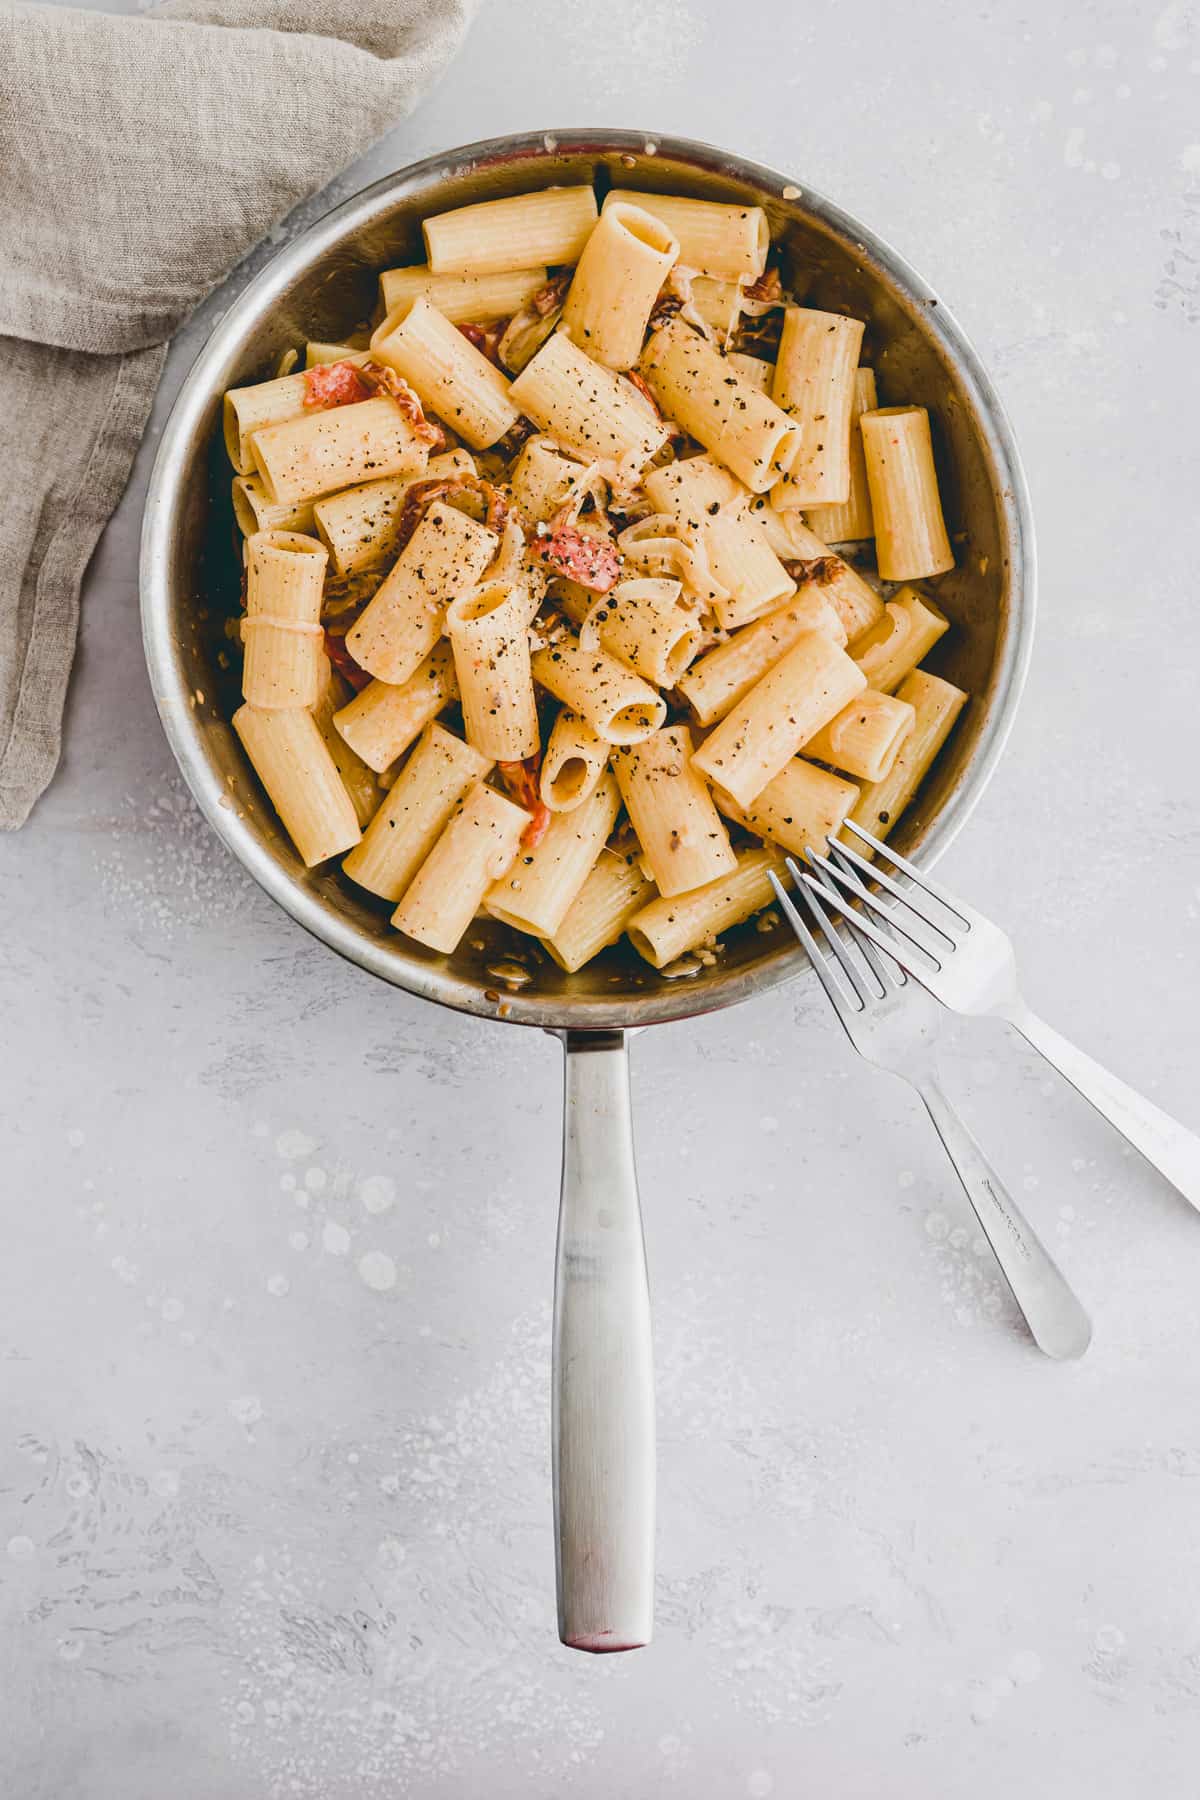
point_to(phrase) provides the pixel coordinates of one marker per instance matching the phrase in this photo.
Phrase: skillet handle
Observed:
(603, 1378)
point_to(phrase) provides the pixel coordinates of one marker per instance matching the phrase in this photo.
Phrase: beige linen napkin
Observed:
(141, 157)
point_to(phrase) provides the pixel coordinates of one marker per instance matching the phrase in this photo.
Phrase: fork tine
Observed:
(862, 944)
(816, 898)
(903, 895)
(910, 869)
(816, 956)
(891, 946)
(888, 971)
(847, 881)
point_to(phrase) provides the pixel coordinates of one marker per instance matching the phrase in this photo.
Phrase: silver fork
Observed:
(894, 1024)
(967, 963)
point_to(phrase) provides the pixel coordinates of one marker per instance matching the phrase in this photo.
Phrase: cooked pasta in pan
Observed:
(567, 591)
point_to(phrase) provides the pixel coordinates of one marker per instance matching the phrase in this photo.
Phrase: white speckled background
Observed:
(274, 1503)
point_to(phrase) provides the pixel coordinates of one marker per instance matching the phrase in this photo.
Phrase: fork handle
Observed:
(1174, 1151)
(1056, 1320)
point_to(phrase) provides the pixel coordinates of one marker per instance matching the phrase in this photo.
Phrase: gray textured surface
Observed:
(266, 1530)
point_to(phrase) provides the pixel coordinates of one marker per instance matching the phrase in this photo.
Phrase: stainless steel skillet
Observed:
(319, 286)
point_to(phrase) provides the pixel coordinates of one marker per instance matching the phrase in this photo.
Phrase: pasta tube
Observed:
(453, 379)
(543, 479)
(537, 891)
(446, 555)
(719, 304)
(910, 532)
(518, 233)
(380, 723)
(802, 806)
(644, 624)
(291, 761)
(359, 526)
(708, 510)
(667, 928)
(463, 299)
(618, 705)
(573, 761)
(813, 563)
(753, 370)
(672, 811)
(814, 384)
(865, 737)
(726, 675)
(585, 407)
(802, 692)
(358, 781)
(903, 637)
(851, 520)
(621, 269)
(284, 662)
(417, 809)
(316, 353)
(254, 512)
(488, 631)
(248, 409)
(696, 386)
(474, 850)
(937, 704)
(717, 238)
(615, 890)
(303, 458)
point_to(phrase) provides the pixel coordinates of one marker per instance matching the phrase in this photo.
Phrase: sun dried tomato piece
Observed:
(521, 780)
(344, 663)
(549, 298)
(821, 570)
(486, 338)
(593, 562)
(767, 288)
(335, 384)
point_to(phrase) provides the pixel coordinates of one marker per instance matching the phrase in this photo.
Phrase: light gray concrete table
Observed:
(274, 1503)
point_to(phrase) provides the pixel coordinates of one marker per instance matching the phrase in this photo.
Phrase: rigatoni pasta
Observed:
(672, 811)
(850, 520)
(695, 385)
(621, 269)
(303, 458)
(282, 632)
(620, 706)
(489, 636)
(727, 241)
(865, 737)
(802, 692)
(382, 721)
(537, 890)
(617, 888)
(445, 556)
(586, 407)
(814, 384)
(802, 807)
(454, 379)
(302, 782)
(461, 298)
(359, 526)
(903, 636)
(516, 651)
(516, 233)
(476, 848)
(574, 760)
(415, 812)
(910, 532)
(936, 705)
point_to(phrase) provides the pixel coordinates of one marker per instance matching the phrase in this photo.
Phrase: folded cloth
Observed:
(141, 157)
